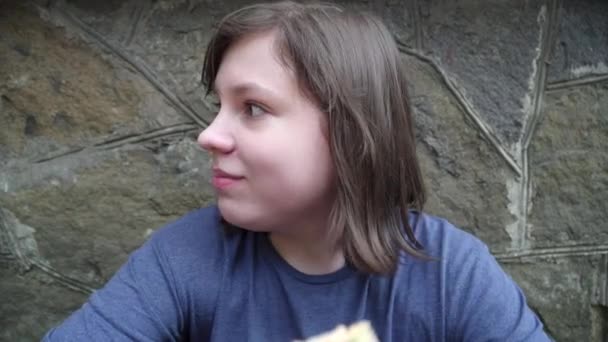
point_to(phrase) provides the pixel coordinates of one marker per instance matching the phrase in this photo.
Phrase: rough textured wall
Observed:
(100, 104)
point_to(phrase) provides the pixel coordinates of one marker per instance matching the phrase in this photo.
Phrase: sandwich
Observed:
(358, 332)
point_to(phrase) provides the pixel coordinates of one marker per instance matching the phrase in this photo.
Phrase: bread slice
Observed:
(358, 332)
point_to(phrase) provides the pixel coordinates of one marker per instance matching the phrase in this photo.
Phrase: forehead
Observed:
(253, 59)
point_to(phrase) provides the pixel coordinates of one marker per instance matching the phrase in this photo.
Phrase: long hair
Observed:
(349, 64)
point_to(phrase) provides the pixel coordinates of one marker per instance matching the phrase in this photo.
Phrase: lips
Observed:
(222, 179)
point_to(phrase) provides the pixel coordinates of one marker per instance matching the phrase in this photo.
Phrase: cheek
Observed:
(289, 165)
(286, 156)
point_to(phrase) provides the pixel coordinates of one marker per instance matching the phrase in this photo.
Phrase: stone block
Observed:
(569, 163)
(489, 48)
(398, 15)
(560, 291)
(466, 177)
(32, 303)
(59, 93)
(91, 213)
(167, 38)
(581, 48)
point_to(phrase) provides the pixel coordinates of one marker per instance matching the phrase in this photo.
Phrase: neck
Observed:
(309, 248)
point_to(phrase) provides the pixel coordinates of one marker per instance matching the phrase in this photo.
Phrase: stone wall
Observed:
(100, 105)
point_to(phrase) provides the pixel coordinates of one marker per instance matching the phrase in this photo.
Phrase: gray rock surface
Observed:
(466, 178)
(489, 48)
(569, 163)
(64, 93)
(581, 49)
(559, 290)
(31, 302)
(100, 105)
(90, 218)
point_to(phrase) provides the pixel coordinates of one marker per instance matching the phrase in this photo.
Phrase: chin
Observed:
(243, 218)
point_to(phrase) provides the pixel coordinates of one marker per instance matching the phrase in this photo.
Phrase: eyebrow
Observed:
(245, 88)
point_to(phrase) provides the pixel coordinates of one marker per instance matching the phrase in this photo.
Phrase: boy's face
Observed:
(272, 162)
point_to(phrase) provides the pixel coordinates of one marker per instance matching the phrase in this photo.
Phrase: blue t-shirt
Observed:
(195, 281)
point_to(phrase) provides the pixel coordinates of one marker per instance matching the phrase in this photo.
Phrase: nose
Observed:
(216, 138)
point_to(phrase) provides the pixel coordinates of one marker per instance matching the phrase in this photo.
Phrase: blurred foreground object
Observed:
(357, 332)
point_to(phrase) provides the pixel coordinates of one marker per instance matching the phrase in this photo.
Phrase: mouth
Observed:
(222, 179)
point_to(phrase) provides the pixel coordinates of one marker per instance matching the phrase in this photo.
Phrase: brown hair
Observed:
(349, 64)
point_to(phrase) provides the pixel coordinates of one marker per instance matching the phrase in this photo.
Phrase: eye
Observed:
(214, 101)
(254, 110)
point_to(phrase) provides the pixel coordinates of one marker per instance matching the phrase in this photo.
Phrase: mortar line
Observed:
(139, 66)
(522, 231)
(123, 140)
(138, 14)
(549, 34)
(13, 246)
(417, 21)
(467, 108)
(599, 295)
(69, 282)
(113, 143)
(547, 43)
(57, 155)
(26, 262)
(547, 252)
(583, 81)
(604, 289)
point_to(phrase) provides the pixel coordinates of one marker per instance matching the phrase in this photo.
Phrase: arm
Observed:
(139, 303)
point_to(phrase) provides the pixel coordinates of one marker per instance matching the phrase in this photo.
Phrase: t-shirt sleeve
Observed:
(139, 303)
(485, 304)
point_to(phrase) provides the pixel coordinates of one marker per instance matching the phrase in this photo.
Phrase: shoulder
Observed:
(191, 253)
(441, 239)
(460, 257)
(195, 240)
(456, 254)
(480, 300)
(199, 227)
